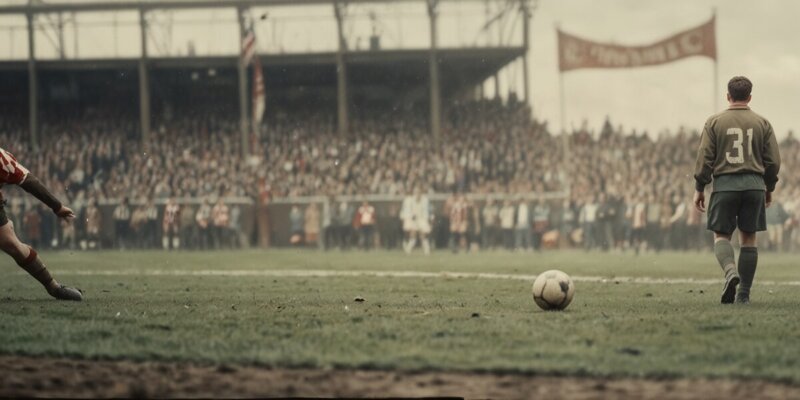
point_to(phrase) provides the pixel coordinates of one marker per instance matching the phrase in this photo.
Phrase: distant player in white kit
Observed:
(416, 216)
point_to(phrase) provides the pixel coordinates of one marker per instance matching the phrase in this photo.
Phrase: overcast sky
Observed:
(756, 39)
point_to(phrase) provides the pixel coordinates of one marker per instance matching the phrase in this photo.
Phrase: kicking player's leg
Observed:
(27, 258)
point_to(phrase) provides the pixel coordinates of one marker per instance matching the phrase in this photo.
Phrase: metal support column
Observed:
(60, 28)
(341, 71)
(433, 63)
(526, 18)
(75, 35)
(498, 25)
(243, 106)
(144, 83)
(33, 101)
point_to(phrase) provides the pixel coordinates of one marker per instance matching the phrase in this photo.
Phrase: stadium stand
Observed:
(103, 138)
(490, 148)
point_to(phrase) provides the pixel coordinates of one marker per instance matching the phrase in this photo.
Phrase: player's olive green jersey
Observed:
(739, 150)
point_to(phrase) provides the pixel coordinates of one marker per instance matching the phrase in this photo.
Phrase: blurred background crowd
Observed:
(517, 184)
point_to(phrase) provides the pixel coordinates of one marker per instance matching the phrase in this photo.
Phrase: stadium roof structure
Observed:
(41, 7)
(460, 66)
(396, 70)
(344, 76)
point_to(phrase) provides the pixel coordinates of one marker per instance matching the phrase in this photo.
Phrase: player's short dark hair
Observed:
(739, 88)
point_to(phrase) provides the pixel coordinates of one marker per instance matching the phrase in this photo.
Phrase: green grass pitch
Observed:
(210, 308)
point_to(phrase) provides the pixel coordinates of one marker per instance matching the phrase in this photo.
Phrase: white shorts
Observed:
(410, 225)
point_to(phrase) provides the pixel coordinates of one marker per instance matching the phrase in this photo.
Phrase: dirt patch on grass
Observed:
(47, 377)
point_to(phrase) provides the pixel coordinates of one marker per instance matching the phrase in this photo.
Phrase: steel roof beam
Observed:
(177, 4)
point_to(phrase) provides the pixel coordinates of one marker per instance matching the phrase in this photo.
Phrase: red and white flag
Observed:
(259, 100)
(248, 47)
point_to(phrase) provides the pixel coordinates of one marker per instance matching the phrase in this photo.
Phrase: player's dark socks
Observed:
(748, 261)
(724, 252)
(33, 265)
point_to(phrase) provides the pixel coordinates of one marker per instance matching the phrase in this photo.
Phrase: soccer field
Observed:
(648, 316)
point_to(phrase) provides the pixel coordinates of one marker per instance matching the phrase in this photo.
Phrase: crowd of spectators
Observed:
(627, 189)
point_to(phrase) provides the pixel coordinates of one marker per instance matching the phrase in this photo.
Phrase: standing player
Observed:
(457, 208)
(366, 218)
(203, 218)
(637, 215)
(739, 150)
(94, 220)
(11, 172)
(490, 223)
(171, 225)
(220, 219)
(416, 216)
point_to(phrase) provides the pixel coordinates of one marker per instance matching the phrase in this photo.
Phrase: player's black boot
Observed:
(66, 293)
(729, 291)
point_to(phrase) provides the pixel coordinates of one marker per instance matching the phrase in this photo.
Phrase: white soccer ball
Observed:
(553, 290)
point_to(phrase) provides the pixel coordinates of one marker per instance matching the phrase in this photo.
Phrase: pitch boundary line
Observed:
(300, 273)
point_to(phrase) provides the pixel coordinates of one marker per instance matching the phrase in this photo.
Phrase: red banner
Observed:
(577, 53)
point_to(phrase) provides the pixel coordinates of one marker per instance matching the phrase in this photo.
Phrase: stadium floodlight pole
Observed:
(33, 101)
(433, 63)
(144, 83)
(341, 69)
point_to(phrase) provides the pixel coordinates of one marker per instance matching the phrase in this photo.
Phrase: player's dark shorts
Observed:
(745, 210)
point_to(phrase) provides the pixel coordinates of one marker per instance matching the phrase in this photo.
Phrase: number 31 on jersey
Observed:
(737, 145)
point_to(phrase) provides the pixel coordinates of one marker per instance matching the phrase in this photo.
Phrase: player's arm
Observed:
(706, 154)
(16, 174)
(772, 163)
(704, 166)
(772, 160)
(34, 186)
